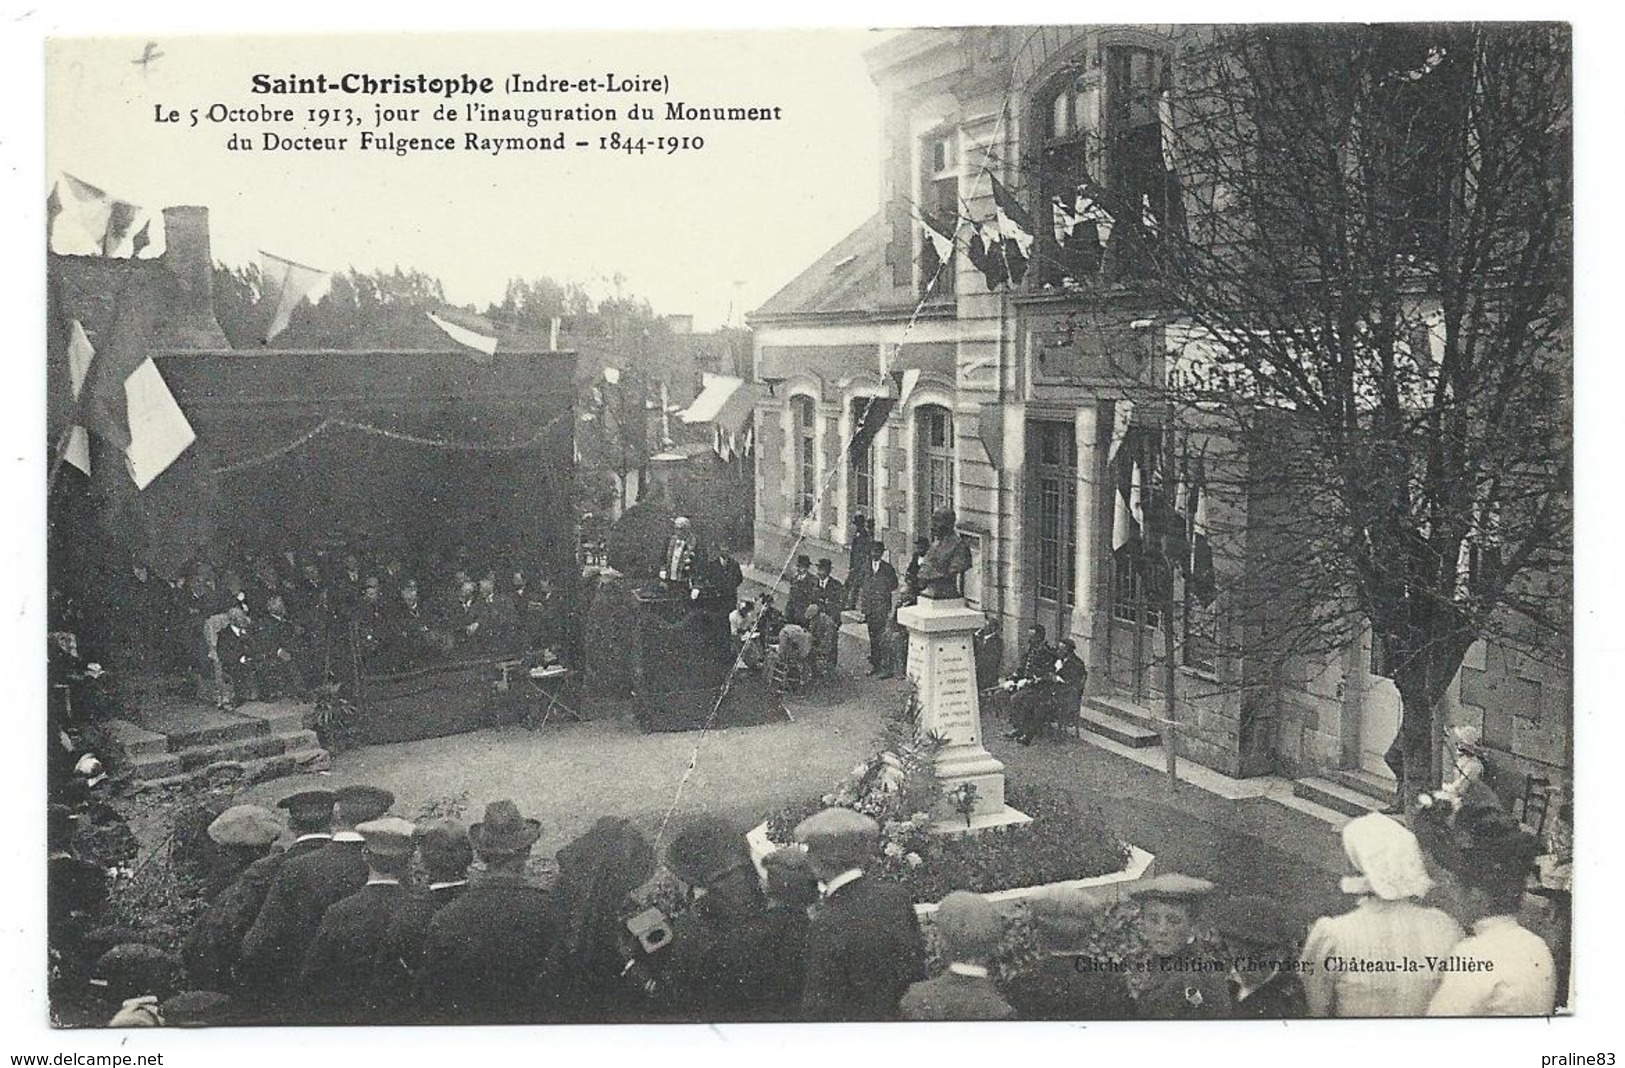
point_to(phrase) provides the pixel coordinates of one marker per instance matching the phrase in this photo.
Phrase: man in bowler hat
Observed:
(484, 954)
(864, 947)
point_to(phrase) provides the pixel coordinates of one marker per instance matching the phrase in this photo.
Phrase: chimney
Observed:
(186, 254)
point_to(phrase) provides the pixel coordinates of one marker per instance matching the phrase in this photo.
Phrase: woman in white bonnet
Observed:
(1356, 964)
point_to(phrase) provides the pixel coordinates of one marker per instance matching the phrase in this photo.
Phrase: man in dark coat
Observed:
(1054, 696)
(864, 948)
(306, 886)
(498, 630)
(234, 647)
(338, 968)
(876, 588)
(732, 956)
(281, 651)
(857, 557)
(803, 590)
(484, 956)
(212, 946)
(443, 846)
(831, 594)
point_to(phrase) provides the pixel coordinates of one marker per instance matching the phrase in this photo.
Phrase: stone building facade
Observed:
(893, 383)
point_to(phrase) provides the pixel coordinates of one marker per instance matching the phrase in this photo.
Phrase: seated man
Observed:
(826, 636)
(1051, 695)
(792, 650)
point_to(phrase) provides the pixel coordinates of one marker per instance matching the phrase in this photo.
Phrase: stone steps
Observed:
(1118, 730)
(177, 742)
(1380, 788)
(1335, 796)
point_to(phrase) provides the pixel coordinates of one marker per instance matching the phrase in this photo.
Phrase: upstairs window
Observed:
(939, 198)
(1105, 183)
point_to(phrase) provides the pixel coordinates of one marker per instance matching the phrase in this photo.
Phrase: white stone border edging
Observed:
(1141, 865)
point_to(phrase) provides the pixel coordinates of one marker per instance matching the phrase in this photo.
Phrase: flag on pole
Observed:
(1120, 531)
(79, 222)
(1203, 584)
(484, 344)
(292, 283)
(1089, 207)
(120, 232)
(1165, 124)
(80, 355)
(940, 234)
(159, 430)
(1122, 416)
(1013, 221)
(1136, 496)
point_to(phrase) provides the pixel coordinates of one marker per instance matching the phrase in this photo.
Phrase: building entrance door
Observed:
(1052, 449)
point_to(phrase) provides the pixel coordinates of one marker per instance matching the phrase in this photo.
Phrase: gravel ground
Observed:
(568, 774)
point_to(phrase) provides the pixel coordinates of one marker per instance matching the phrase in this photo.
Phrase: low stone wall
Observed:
(1097, 891)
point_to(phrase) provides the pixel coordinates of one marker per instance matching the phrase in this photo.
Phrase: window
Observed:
(861, 464)
(1201, 646)
(939, 198)
(1103, 166)
(1056, 474)
(933, 464)
(1140, 573)
(804, 415)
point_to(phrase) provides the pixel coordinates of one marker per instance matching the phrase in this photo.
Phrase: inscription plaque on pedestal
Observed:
(942, 665)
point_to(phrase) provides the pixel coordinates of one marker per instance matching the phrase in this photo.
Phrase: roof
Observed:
(848, 278)
(726, 401)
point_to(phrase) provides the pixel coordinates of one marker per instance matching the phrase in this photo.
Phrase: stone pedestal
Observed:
(942, 665)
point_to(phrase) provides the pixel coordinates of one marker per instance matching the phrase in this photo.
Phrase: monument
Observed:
(942, 666)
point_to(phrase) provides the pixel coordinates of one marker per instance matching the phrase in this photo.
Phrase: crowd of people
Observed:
(265, 625)
(338, 912)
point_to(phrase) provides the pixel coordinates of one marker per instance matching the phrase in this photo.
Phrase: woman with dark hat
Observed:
(733, 957)
(1507, 970)
(591, 898)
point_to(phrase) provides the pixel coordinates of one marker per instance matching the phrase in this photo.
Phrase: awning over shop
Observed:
(726, 403)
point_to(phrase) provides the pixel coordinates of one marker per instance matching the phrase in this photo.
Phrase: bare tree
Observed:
(1367, 247)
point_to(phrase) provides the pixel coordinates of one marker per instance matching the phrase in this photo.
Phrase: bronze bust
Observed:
(946, 560)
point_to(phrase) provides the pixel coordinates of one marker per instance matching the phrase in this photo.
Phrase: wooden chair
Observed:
(1064, 713)
(786, 676)
(1533, 805)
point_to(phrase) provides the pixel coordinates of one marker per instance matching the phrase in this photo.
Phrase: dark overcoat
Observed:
(863, 951)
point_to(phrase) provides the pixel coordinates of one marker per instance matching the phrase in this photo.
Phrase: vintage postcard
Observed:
(973, 523)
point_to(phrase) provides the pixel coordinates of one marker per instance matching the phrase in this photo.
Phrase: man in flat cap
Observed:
(213, 945)
(484, 955)
(1263, 946)
(864, 948)
(969, 929)
(336, 977)
(1177, 979)
(446, 854)
(732, 957)
(307, 885)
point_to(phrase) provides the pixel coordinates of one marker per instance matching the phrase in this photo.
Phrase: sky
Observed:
(710, 232)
